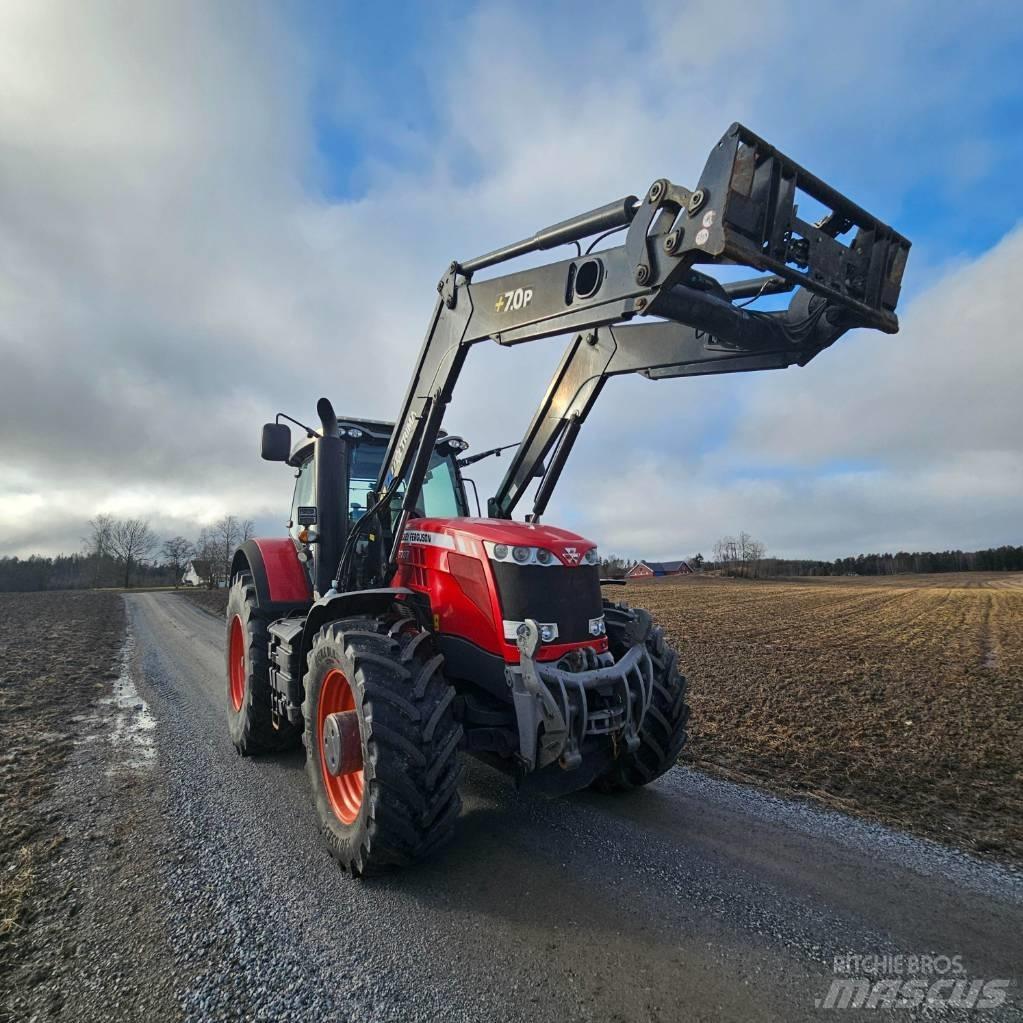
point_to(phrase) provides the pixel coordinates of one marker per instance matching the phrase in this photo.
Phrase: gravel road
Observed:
(691, 900)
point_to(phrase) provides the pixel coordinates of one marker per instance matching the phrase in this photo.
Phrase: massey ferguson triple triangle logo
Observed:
(571, 555)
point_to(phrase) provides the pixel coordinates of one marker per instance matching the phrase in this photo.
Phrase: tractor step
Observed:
(286, 669)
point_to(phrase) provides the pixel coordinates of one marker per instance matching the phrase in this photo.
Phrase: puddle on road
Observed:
(127, 721)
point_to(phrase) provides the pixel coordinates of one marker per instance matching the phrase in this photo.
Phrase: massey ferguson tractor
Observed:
(394, 632)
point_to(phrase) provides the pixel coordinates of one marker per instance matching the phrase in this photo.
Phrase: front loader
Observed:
(394, 632)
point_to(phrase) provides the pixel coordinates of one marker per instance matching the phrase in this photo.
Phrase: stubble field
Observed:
(897, 698)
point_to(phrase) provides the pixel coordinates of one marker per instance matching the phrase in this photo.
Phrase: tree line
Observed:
(744, 556)
(992, 559)
(128, 552)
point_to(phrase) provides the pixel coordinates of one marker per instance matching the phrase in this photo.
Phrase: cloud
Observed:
(947, 384)
(656, 511)
(173, 268)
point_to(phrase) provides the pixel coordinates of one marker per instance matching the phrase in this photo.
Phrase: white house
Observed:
(197, 573)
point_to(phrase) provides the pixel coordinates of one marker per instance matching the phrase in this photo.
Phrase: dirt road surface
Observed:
(204, 891)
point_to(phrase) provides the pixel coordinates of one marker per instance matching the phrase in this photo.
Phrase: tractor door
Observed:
(304, 497)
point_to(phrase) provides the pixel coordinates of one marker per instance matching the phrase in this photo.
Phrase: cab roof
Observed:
(376, 430)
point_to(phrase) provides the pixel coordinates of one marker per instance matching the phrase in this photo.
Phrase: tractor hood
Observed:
(460, 533)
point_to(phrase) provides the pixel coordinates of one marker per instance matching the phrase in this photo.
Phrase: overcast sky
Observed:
(212, 211)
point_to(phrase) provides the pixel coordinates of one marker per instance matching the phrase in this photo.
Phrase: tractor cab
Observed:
(337, 469)
(364, 444)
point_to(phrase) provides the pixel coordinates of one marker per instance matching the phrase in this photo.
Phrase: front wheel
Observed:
(384, 775)
(663, 732)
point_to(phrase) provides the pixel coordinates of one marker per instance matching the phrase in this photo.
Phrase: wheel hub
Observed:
(342, 743)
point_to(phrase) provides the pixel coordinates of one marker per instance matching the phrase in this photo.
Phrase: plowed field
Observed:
(899, 699)
(57, 658)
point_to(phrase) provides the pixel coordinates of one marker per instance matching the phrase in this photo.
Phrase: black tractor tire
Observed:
(663, 732)
(249, 719)
(408, 801)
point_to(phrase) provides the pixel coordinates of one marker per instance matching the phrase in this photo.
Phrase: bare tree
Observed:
(217, 544)
(756, 552)
(207, 554)
(740, 554)
(745, 545)
(131, 540)
(229, 535)
(176, 553)
(98, 543)
(726, 552)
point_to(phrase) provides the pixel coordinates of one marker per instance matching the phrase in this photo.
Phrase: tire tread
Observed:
(663, 732)
(411, 802)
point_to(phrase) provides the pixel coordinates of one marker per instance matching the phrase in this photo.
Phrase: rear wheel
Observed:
(663, 732)
(384, 781)
(249, 720)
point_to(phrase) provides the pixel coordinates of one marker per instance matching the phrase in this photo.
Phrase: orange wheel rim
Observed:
(344, 791)
(236, 663)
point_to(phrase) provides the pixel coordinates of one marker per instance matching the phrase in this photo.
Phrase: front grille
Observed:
(569, 596)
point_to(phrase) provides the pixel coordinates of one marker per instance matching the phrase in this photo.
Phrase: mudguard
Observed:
(282, 582)
(359, 602)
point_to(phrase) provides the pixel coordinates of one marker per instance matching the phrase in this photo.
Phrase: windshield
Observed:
(439, 498)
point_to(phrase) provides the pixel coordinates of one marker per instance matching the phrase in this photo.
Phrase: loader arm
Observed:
(658, 351)
(744, 211)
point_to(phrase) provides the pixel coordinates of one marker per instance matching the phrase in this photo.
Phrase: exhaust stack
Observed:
(331, 473)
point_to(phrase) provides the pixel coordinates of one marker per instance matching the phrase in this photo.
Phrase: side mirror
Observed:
(276, 442)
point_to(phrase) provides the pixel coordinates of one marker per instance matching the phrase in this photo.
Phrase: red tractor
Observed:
(395, 632)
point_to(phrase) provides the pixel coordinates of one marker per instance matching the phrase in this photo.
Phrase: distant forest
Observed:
(994, 559)
(77, 572)
(745, 557)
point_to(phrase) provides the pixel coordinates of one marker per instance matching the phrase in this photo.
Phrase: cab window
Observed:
(362, 478)
(305, 495)
(440, 497)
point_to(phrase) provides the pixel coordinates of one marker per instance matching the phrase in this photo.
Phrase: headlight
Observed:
(520, 554)
(591, 557)
(548, 633)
